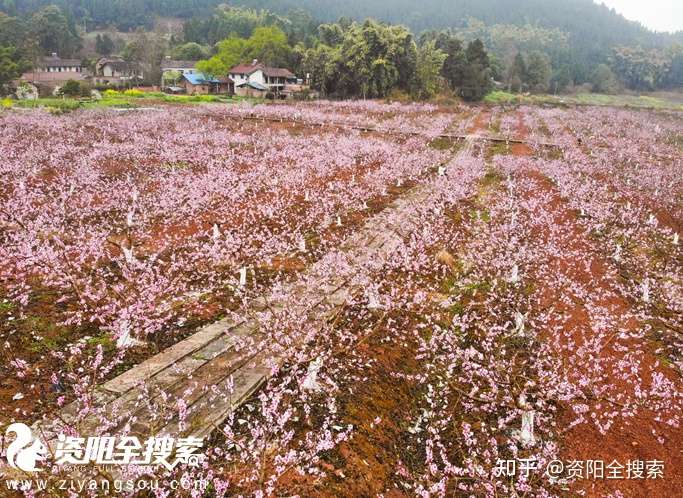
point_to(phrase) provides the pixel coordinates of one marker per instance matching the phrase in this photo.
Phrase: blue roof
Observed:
(199, 79)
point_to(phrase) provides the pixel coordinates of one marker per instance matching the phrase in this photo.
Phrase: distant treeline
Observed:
(532, 45)
(125, 15)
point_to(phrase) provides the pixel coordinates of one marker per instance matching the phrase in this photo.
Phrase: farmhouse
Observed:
(173, 72)
(199, 84)
(256, 77)
(116, 71)
(53, 71)
(55, 64)
(251, 89)
(182, 67)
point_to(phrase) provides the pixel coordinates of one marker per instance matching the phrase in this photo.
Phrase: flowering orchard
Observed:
(528, 308)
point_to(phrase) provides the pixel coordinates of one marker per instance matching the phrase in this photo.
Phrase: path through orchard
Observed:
(217, 369)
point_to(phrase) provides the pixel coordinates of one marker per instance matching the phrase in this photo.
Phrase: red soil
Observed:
(481, 122)
(521, 130)
(631, 439)
(628, 439)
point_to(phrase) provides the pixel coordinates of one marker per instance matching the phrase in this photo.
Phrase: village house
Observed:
(198, 84)
(116, 72)
(182, 67)
(256, 79)
(173, 71)
(55, 64)
(53, 71)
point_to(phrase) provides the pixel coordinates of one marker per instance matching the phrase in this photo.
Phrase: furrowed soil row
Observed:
(391, 131)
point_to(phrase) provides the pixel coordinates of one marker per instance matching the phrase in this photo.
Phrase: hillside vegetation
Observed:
(539, 46)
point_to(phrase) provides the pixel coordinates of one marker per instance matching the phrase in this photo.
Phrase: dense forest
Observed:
(537, 46)
(585, 21)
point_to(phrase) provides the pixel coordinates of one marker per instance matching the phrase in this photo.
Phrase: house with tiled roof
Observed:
(182, 67)
(55, 64)
(52, 71)
(261, 78)
(173, 72)
(199, 84)
(116, 71)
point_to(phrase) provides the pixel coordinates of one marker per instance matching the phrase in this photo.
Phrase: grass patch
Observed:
(495, 126)
(675, 140)
(552, 153)
(491, 178)
(175, 165)
(6, 307)
(52, 336)
(472, 289)
(497, 149)
(481, 215)
(446, 143)
(106, 341)
(128, 99)
(597, 99)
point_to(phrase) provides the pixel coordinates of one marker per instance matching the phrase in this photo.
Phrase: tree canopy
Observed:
(268, 44)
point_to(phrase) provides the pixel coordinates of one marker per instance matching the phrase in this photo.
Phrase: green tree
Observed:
(639, 68)
(331, 34)
(9, 6)
(71, 88)
(562, 78)
(504, 41)
(269, 45)
(228, 21)
(476, 81)
(454, 66)
(54, 32)
(104, 45)
(604, 80)
(430, 61)
(10, 66)
(374, 58)
(538, 72)
(230, 53)
(517, 74)
(320, 67)
(674, 77)
(171, 78)
(12, 30)
(190, 52)
(146, 50)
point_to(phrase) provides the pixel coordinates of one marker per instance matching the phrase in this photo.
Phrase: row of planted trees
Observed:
(372, 59)
(364, 60)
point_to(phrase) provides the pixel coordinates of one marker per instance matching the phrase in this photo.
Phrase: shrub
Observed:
(134, 92)
(71, 88)
(26, 91)
(85, 90)
(63, 106)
